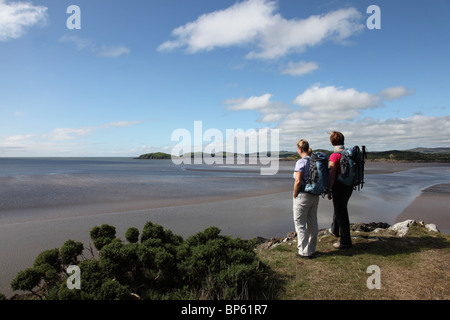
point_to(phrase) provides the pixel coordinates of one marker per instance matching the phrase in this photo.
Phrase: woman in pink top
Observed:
(340, 194)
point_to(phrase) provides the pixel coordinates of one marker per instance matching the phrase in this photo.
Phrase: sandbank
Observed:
(431, 206)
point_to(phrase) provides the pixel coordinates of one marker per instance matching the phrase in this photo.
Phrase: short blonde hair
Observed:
(304, 146)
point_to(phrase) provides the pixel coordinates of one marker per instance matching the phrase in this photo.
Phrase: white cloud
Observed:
(59, 141)
(400, 133)
(60, 134)
(252, 103)
(19, 137)
(332, 99)
(112, 52)
(271, 111)
(256, 23)
(300, 68)
(319, 110)
(287, 36)
(395, 93)
(82, 44)
(119, 124)
(16, 17)
(236, 25)
(79, 43)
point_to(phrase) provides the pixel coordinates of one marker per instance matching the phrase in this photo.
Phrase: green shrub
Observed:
(70, 251)
(161, 266)
(102, 235)
(132, 235)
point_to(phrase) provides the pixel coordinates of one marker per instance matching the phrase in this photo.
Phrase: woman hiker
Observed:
(340, 194)
(304, 205)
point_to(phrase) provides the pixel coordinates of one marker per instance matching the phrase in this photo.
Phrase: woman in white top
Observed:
(305, 205)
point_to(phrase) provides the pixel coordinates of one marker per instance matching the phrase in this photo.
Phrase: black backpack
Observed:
(352, 167)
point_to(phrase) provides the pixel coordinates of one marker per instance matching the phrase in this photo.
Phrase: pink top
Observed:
(336, 158)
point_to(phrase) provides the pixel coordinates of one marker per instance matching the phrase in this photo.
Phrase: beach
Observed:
(240, 205)
(431, 206)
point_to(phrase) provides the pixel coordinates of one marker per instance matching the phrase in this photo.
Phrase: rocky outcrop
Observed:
(372, 231)
(369, 227)
(402, 228)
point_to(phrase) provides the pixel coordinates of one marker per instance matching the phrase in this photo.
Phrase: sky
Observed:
(118, 78)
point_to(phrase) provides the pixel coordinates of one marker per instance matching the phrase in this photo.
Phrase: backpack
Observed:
(319, 177)
(352, 167)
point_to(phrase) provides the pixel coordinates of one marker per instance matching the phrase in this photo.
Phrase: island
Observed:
(155, 155)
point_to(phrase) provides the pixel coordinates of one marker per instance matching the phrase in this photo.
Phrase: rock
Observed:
(431, 227)
(378, 231)
(260, 240)
(323, 232)
(402, 228)
(291, 236)
(369, 227)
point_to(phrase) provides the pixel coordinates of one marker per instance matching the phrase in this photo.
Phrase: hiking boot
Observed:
(339, 245)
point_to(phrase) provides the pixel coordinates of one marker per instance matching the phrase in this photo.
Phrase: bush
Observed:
(102, 235)
(222, 267)
(161, 266)
(27, 279)
(132, 235)
(70, 251)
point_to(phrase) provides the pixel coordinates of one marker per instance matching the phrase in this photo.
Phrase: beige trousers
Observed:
(305, 221)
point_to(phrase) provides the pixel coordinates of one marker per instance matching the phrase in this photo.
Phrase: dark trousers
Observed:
(341, 222)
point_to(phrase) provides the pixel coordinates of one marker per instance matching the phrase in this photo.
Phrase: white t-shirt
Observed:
(302, 166)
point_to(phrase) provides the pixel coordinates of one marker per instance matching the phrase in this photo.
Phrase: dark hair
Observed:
(337, 138)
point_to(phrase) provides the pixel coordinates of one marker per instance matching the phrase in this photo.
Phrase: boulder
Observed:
(431, 227)
(369, 227)
(402, 228)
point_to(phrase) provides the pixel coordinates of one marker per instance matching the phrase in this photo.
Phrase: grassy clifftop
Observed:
(414, 266)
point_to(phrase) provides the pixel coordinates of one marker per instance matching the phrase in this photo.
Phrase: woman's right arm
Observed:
(297, 183)
(332, 167)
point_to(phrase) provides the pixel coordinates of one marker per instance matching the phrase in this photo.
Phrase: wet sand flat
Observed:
(432, 206)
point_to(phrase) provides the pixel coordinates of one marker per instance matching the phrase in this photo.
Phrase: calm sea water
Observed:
(32, 188)
(61, 182)
(45, 201)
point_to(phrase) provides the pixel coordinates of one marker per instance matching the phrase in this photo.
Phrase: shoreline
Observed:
(430, 206)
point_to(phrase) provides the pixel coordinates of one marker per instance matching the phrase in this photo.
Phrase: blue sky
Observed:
(138, 70)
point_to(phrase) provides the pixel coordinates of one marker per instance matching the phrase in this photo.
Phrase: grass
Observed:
(414, 267)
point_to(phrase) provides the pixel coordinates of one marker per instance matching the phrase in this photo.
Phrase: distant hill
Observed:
(430, 150)
(155, 155)
(411, 155)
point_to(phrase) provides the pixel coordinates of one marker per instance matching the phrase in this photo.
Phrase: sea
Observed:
(46, 201)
